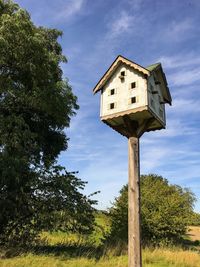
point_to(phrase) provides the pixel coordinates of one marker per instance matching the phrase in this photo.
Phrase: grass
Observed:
(95, 238)
(151, 258)
(171, 257)
(194, 233)
(72, 250)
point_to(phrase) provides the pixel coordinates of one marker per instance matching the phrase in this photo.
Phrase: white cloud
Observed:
(178, 61)
(121, 25)
(185, 77)
(171, 160)
(175, 128)
(71, 8)
(152, 157)
(178, 31)
(183, 107)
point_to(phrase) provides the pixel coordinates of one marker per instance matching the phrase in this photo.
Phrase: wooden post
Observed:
(134, 244)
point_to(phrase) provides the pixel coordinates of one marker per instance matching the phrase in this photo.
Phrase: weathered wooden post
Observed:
(133, 102)
(134, 245)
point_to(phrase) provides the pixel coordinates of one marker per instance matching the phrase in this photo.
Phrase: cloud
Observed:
(185, 77)
(121, 25)
(49, 13)
(70, 9)
(178, 30)
(175, 128)
(135, 4)
(152, 157)
(180, 27)
(178, 61)
(171, 160)
(183, 68)
(185, 107)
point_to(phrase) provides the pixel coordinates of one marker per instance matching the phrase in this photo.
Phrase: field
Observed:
(194, 233)
(156, 258)
(151, 258)
(62, 250)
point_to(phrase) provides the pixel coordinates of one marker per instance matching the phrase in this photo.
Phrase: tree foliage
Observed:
(36, 104)
(165, 211)
(51, 201)
(194, 219)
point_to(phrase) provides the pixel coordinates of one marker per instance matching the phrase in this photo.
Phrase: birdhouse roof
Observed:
(153, 66)
(147, 71)
(119, 60)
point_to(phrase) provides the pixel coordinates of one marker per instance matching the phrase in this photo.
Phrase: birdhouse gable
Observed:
(124, 90)
(118, 61)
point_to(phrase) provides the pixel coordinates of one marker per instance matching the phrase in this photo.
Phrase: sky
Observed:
(95, 32)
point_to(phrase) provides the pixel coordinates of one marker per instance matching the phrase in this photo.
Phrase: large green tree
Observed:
(165, 211)
(36, 104)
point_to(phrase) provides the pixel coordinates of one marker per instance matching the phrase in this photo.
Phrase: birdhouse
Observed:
(131, 93)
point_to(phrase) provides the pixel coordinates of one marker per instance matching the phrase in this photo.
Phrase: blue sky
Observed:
(145, 31)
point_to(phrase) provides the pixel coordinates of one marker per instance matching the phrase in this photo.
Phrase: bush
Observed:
(165, 211)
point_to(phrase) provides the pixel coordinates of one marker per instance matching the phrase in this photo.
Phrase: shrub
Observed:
(165, 210)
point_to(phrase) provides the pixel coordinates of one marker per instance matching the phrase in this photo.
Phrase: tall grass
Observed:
(171, 257)
(151, 258)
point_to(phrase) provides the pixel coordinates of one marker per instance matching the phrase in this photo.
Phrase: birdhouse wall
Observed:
(155, 98)
(125, 90)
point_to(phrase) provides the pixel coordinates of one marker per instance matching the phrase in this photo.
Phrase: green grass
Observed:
(102, 226)
(59, 249)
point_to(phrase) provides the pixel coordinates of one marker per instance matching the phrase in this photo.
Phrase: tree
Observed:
(165, 210)
(36, 104)
(194, 219)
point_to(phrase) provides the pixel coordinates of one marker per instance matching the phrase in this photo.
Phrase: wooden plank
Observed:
(130, 125)
(134, 244)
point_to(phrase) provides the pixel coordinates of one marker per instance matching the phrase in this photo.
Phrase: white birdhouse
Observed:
(131, 91)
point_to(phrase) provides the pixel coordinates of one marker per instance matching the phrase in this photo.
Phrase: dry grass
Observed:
(173, 257)
(194, 233)
(151, 258)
